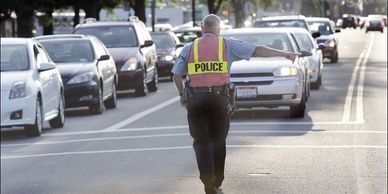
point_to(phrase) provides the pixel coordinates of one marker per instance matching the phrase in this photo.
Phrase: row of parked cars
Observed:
(373, 22)
(40, 77)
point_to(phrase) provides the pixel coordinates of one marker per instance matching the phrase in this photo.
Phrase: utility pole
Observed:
(193, 11)
(322, 8)
(153, 15)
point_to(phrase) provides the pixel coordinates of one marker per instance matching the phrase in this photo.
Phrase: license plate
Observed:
(246, 92)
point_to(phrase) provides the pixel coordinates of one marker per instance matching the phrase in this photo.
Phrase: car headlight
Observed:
(285, 71)
(81, 78)
(330, 43)
(168, 58)
(18, 90)
(130, 65)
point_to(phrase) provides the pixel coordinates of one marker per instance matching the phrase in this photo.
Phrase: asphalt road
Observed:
(143, 145)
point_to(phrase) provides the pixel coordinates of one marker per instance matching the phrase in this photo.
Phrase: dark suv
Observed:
(133, 50)
(349, 21)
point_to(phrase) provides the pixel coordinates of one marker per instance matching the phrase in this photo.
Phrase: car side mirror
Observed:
(46, 66)
(305, 53)
(321, 46)
(104, 57)
(147, 43)
(178, 46)
(316, 34)
(337, 30)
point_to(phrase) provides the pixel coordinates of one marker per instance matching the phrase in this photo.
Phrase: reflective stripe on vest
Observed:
(202, 67)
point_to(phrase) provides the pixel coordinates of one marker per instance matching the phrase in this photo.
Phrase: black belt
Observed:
(210, 90)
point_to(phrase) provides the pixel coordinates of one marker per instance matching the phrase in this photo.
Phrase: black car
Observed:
(87, 70)
(327, 39)
(133, 50)
(349, 21)
(168, 49)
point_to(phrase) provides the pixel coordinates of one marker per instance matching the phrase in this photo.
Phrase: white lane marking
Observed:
(189, 147)
(360, 88)
(360, 64)
(288, 132)
(141, 115)
(186, 126)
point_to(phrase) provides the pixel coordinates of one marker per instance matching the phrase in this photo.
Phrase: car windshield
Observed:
(188, 36)
(280, 23)
(273, 40)
(304, 41)
(322, 27)
(14, 58)
(69, 51)
(162, 41)
(112, 36)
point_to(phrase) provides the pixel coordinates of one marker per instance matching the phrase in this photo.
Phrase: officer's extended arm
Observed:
(263, 51)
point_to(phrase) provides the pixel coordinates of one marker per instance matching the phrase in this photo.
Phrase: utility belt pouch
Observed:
(187, 93)
(231, 94)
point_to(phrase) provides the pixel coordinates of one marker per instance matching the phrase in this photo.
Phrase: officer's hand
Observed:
(183, 101)
(291, 56)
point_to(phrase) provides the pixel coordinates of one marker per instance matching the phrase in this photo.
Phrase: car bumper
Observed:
(165, 67)
(130, 79)
(25, 106)
(374, 29)
(278, 93)
(329, 52)
(82, 94)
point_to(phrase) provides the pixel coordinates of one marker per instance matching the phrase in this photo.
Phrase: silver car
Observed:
(270, 82)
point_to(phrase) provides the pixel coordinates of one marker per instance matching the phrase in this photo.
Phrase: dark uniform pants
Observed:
(208, 120)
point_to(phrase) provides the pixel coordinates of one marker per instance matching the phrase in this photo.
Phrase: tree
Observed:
(239, 12)
(214, 5)
(139, 8)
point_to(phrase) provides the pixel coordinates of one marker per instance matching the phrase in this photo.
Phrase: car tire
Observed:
(298, 111)
(99, 107)
(36, 129)
(315, 85)
(112, 101)
(142, 90)
(59, 120)
(334, 59)
(153, 85)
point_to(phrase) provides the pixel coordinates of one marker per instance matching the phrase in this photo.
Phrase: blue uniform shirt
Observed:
(236, 50)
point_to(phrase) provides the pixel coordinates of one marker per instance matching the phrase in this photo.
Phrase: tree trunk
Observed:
(25, 21)
(48, 27)
(239, 14)
(139, 8)
(76, 14)
(213, 9)
(92, 10)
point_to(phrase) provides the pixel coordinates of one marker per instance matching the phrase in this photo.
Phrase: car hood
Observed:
(8, 78)
(259, 65)
(69, 70)
(121, 55)
(323, 38)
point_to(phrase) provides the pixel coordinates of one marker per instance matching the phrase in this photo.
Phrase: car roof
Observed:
(317, 19)
(188, 29)
(285, 17)
(254, 30)
(15, 40)
(63, 37)
(105, 23)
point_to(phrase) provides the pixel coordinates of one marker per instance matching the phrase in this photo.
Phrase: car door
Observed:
(103, 67)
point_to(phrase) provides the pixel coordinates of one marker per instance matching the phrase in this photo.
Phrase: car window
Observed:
(69, 51)
(281, 23)
(162, 41)
(44, 55)
(273, 40)
(304, 41)
(188, 36)
(324, 28)
(112, 36)
(14, 58)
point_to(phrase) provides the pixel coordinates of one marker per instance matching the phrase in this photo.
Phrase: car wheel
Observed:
(36, 129)
(99, 107)
(334, 59)
(111, 103)
(315, 85)
(142, 90)
(298, 111)
(153, 85)
(59, 120)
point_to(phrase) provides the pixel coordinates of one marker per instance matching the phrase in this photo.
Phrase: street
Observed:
(144, 146)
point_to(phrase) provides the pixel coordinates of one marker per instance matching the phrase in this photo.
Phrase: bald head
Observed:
(211, 23)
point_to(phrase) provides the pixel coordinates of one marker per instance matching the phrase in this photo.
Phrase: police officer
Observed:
(207, 62)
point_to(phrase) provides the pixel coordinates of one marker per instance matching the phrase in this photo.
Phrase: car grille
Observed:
(321, 41)
(253, 83)
(265, 97)
(264, 74)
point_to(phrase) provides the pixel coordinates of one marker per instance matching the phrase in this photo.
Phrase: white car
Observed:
(31, 87)
(270, 82)
(306, 42)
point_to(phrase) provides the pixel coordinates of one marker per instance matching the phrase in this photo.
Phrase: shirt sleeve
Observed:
(180, 66)
(239, 50)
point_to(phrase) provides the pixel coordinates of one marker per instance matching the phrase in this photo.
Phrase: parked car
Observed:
(374, 23)
(296, 21)
(31, 87)
(132, 49)
(306, 42)
(168, 48)
(270, 82)
(87, 70)
(188, 34)
(327, 37)
(349, 21)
